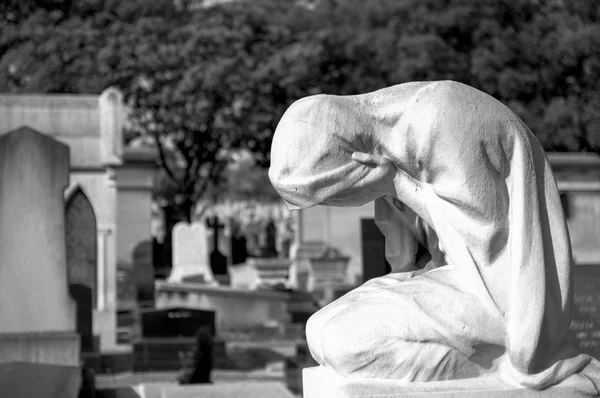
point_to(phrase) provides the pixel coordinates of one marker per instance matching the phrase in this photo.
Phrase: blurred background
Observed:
(168, 108)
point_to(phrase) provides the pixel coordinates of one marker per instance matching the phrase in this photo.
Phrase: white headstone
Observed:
(190, 252)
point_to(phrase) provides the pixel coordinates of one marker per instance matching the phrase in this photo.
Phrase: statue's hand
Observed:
(372, 161)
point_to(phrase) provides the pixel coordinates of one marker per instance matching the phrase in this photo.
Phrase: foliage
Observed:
(203, 82)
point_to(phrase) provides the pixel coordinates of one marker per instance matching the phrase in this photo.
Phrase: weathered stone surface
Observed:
(34, 171)
(469, 181)
(37, 315)
(320, 382)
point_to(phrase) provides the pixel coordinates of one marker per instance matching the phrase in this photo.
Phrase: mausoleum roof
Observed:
(91, 125)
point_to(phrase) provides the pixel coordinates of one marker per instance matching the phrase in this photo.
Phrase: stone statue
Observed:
(466, 178)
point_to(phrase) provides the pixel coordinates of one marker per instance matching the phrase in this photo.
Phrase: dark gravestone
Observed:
(239, 250)
(270, 249)
(83, 297)
(81, 252)
(218, 261)
(126, 289)
(162, 269)
(176, 322)
(143, 270)
(168, 335)
(373, 251)
(585, 320)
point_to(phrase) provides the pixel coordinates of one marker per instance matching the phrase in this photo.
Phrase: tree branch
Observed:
(163, 158)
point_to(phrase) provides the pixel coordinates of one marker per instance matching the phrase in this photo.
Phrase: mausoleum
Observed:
(109, 186)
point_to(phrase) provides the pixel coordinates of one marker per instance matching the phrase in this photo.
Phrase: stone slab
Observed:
(229, 390)
(27, 380)
(319, 382)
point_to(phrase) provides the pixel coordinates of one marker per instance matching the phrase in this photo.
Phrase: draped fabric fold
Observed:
(477, 189)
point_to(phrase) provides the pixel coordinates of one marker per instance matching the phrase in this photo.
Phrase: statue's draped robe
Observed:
(501, 302)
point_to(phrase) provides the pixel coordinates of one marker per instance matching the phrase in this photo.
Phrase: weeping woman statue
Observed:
(464, 177)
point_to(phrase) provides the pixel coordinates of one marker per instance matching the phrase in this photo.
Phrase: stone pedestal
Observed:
(319, 382)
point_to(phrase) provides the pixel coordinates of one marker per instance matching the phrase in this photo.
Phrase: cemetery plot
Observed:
(168, 335)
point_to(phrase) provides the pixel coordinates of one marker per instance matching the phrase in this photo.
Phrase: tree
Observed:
(203, 83)
(195, 90)
(188, 77)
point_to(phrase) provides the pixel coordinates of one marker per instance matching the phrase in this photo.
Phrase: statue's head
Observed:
(322, 153)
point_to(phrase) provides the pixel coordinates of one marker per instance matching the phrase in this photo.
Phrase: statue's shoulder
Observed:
(440, 92)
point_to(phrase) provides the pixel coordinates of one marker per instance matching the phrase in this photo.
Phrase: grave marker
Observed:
(218, 261)
(585, 320)
(176, 322)
(143, 270)
(37, 315)
(190, 252)
(270, 249)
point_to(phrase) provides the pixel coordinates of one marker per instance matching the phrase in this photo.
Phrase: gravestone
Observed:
(126, 288)
(83, 297)
(270, 249)
(37, 314)
(143, 269)
(168, 335)
(239, 251)
(81, 256)
(190, 252)
(218, 262)
(585, 321)
(176, 322)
